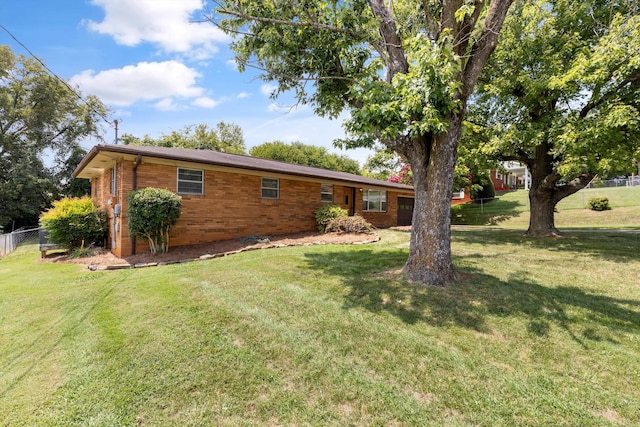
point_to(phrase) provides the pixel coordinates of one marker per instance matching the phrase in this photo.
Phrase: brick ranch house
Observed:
(226, 196)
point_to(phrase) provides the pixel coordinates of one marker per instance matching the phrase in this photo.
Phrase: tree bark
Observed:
(542, 213)
(546, 192)
(432, 163)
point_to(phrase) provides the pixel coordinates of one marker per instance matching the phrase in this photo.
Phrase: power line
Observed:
(51, 72)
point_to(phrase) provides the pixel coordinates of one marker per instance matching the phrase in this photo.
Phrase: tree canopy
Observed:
(561, 94)
(404, 72)
(307, 155)
(226, 137)
(41, 118)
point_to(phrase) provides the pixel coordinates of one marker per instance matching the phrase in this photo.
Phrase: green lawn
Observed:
(511, 210)
(538, 332)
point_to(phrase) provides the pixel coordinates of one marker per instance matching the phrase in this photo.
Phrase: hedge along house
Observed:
(226, 196)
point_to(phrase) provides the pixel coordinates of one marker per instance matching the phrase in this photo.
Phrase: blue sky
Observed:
(156, 70)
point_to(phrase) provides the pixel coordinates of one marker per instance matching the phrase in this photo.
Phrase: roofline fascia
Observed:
(132, 151)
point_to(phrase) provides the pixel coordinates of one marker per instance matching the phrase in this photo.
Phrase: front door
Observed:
(405, 210)
(349, 200)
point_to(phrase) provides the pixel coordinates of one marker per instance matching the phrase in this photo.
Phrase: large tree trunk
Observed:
(545, 192)
(542, 209)
(433, 172)
(542, 200)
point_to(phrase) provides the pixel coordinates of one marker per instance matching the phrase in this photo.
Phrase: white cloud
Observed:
(243, 95)
(167, 104)
(142, 82)
(166, 23)
(205, 102)
(268, 89)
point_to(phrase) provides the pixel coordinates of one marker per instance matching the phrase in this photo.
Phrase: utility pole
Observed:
(116, 123)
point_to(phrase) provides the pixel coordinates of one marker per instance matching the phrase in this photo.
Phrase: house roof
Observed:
(101, 157)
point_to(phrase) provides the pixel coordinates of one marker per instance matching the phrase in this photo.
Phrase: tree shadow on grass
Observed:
(374, 282)
(612, 245)
(486, 213)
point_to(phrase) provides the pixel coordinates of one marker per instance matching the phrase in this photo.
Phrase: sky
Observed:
(158, 69)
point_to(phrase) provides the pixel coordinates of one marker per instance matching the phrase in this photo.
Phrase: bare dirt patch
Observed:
(102, 259)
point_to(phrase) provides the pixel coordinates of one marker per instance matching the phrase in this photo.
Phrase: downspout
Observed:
(134, 184)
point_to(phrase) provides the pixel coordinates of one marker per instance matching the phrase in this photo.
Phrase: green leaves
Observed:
(226, 137)
(566, 75)
(38, 115)
(152, 212)
(415, 103)
(73, 222)
(307, 155)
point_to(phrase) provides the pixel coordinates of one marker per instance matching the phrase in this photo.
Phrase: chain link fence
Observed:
(629, 181)
(10, 241)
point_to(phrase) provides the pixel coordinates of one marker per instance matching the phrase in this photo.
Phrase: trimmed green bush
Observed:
(326, 213)
(483, 190)
(598, 204)
(152, 212)
(75, 222)
(349, 224)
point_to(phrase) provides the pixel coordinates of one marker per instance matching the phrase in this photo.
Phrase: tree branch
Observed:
(485, 45)
(314, 25)
(394, 52)
(431, 24)
(594, 103)
(573, 186)
(463, 35)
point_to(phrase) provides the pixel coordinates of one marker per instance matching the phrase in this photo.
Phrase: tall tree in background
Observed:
(40, 117)
(226, 137)
(382, 164)
(67, 184)
(562, 92)
(404, 73)
(307, 155)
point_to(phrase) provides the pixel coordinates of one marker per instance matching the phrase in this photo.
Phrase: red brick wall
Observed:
(382, 219)
(231, 205)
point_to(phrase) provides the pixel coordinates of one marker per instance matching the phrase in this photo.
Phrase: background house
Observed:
(225, 196)
(510, 176)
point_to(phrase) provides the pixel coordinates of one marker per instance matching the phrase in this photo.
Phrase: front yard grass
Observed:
(537, 332)
(511, 210)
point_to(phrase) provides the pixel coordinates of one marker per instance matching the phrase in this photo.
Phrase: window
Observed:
(190, 181)
(114, 182)
(270, 188)
(326, 193)
(374, 201)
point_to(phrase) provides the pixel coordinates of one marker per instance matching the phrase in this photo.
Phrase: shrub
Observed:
(482, 188)
(72, 221)
(152, 212)
(349, 224)
(598, 204)
(81, 252)
(327, 213)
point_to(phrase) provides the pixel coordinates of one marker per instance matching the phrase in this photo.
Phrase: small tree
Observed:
(152, 213)
(74, 221)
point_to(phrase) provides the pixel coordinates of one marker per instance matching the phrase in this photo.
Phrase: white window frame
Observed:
(114, 180)
(326, 193)
(190, 181)
(270, 188)
(368, 195)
